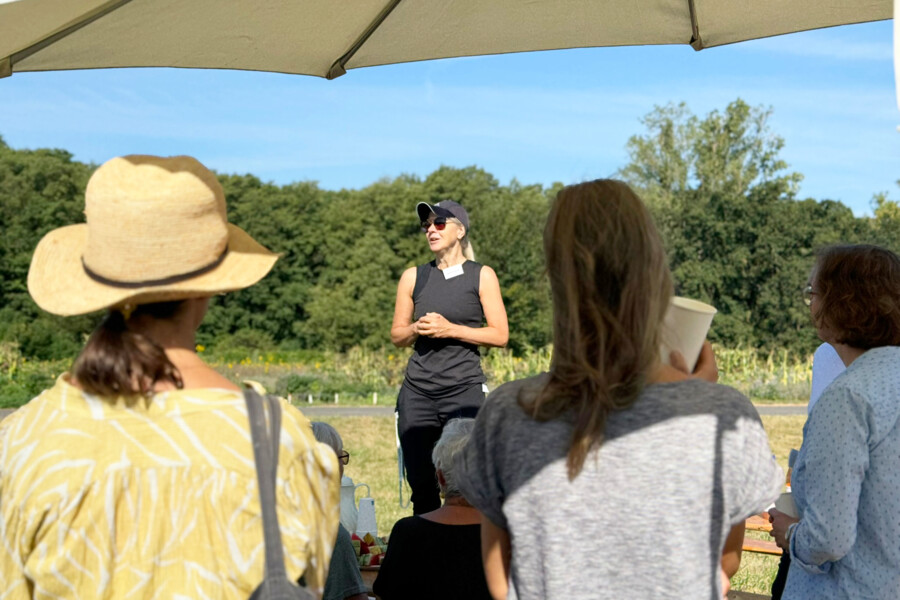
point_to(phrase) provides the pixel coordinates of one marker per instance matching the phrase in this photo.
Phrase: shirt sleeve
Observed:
(832, 465)
(308, 499)
(344, 579)
(756, 478)
(477, 465)
(13, 583)
(827, 365)
(388, 579)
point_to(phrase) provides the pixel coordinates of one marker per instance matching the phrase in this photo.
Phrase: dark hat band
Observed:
(154, 282)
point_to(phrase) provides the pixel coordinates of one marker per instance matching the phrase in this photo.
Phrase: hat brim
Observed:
(59, 284)
(425, 210)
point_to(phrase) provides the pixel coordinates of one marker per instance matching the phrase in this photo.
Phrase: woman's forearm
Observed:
(481, 336)
(731, 553)
(495, 555)
(404, 336)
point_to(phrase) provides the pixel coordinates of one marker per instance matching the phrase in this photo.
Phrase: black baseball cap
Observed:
(444, 208)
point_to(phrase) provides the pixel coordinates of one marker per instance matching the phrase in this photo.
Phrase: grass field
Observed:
(371, 443)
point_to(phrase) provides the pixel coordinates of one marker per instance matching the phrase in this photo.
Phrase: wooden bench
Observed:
(760, 522)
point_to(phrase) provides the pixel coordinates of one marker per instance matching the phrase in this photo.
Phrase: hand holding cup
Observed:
(684, 331)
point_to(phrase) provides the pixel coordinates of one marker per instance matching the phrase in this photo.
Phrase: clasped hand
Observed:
(434, 325)
(780, 523)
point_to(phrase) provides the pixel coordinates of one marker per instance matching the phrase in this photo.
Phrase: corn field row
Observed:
(356, 375)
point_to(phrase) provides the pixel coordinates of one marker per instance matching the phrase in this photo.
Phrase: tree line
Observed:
(737, 235)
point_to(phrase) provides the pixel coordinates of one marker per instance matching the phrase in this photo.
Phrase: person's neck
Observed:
(455, 511)
(847, 353)
(457, 501)
(449, 257)
(175, 338)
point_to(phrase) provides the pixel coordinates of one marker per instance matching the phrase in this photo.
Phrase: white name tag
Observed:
(454, 271)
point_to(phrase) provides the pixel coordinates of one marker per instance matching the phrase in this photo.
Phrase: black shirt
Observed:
(428, 560)
(444, 367)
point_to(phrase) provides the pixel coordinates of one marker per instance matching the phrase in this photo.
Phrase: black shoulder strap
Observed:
(422, 274)
(476, 277)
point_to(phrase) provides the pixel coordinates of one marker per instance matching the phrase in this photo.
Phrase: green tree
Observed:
(39, 190)
(725, 204)
(885, 223)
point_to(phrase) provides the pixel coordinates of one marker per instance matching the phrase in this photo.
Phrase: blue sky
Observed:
(536, 117)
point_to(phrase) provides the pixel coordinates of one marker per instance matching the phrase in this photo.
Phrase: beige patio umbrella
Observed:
(327, 37)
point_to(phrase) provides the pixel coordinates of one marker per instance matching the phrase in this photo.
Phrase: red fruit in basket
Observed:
(376, 560)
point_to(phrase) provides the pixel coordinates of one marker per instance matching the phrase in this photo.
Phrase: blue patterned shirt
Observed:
(846, 485)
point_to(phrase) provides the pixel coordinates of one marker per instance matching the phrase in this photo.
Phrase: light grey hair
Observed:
(328, 435)
(453, 439)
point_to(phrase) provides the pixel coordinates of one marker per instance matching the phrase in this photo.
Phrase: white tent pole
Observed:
(897, 49)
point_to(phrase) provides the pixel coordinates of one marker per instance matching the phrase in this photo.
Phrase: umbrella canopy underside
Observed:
(326, 37)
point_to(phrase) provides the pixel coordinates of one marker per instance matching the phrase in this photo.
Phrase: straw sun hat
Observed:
(156, 230)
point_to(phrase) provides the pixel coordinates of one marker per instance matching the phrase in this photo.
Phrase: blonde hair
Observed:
(467, 249)
(611, 287)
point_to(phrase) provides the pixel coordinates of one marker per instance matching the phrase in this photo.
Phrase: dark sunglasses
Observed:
(438, 222)
(344, 457)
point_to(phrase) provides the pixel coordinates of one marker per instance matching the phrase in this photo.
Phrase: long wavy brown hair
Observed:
(611, 287)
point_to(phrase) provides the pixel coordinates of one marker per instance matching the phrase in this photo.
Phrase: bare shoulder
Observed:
(408, 278)
(488, 274)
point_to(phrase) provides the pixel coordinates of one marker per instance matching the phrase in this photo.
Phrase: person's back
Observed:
(432, 560)
(614, 475)
(134, 475)
(107, 498)
(648, 515)
(438, 555)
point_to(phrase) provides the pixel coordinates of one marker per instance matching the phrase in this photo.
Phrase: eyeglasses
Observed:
(808, 293)
(438, 222)
(344, 457)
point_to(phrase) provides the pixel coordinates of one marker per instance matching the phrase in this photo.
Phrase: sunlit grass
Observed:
(373, 461)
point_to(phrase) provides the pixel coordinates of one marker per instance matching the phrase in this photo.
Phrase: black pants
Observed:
(421, 421)
(781, 576)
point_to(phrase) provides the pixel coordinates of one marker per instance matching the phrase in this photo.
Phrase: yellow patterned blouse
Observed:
(154, 499)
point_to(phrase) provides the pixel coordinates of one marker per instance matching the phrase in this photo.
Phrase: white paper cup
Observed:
(785, 504)
(684, 329)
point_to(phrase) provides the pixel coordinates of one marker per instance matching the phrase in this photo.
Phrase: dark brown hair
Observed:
(611, 287)
(858, 295)
(117, 361)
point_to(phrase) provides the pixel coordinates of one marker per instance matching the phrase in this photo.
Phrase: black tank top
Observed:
(443, 367)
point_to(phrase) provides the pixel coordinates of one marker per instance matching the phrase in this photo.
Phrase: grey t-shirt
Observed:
(648, 515)
(343, 579)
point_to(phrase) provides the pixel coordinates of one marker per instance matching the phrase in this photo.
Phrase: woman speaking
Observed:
(441, 311)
